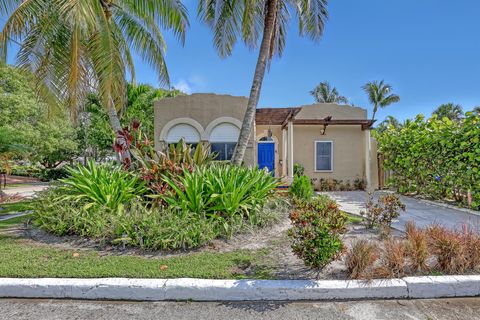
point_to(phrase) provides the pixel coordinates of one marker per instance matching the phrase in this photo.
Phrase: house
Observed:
(330, 141)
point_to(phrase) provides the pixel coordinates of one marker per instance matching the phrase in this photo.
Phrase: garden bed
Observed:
(263, 253)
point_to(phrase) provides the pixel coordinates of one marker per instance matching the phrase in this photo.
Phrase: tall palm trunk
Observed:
(114, 120)
(263, 57)
(375, 108)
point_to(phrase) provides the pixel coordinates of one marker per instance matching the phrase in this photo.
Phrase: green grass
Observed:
(354, 219)
(12, 222)
(22, 258)
(14, 207)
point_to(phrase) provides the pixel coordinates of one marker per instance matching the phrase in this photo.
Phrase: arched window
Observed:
(185, 131)
(223, 139)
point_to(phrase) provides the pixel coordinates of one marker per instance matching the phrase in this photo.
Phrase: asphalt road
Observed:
(449, 309)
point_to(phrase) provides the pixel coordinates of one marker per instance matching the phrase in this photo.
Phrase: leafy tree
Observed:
(252, 20)
(449, 110)
(9, 146)
(55, 142)
(476, 110)
(95, 132)
(76, 47)
(140, 105)
(49, 139)
(324, 93)
(379, 95)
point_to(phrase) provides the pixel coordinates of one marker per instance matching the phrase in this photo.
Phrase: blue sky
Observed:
(428, 50)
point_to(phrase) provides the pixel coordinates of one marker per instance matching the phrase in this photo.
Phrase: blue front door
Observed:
(266, 156)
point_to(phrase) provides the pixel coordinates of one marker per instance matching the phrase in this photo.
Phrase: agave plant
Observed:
(105, 185)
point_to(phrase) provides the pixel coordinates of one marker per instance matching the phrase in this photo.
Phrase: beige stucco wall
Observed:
(348, 150)
(338, 112)
(201, 110)
(374, 163)
(349, 144)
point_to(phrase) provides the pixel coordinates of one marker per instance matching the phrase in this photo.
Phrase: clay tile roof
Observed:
(274, 116)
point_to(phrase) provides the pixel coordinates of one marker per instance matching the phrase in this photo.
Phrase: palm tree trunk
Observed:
(263, 57)
(114, 120)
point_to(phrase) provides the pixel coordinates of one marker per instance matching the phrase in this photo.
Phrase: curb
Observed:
(239, 290)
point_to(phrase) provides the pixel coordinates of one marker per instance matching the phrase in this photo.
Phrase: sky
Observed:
(428, 50)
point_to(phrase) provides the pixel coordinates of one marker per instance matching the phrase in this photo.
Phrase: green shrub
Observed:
(326, 208)
(436, 158)
(105, 185)
(313, 240)
(138, 225)
(301, 188)
(229, 194)
(298, 169)
(52, 174)
(382, 213)
(317, 226)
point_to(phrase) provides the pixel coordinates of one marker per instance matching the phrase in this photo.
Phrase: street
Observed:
(451, 309)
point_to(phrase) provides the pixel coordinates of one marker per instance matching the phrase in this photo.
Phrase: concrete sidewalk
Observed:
(422, 213)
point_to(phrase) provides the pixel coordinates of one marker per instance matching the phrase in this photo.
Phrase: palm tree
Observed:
(252, 20)
(77, 47)
(324, 93)
(379, 95)
(449, 110)
(390, 121)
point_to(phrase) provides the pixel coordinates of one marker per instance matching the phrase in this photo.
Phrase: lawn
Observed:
(22, 258)
(14, 207)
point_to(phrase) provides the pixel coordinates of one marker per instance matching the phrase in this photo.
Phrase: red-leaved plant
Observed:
(154, 165)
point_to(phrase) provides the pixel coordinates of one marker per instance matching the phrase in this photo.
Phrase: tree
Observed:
(379, 95)
(141, 98)
(77, 47)
(476, 110)
(449, 110)
(49, 140)
(252, 20)
(95, 132)
(324, 93)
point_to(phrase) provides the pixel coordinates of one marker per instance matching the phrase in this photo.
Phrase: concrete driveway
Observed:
(420, 212)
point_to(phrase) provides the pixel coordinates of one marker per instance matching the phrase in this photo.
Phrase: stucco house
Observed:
(329, 140)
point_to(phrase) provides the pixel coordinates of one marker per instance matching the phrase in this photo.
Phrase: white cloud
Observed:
(184, 86)
(194, 83)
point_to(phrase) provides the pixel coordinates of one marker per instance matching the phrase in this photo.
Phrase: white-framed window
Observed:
(323, 156)
(223, 140)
